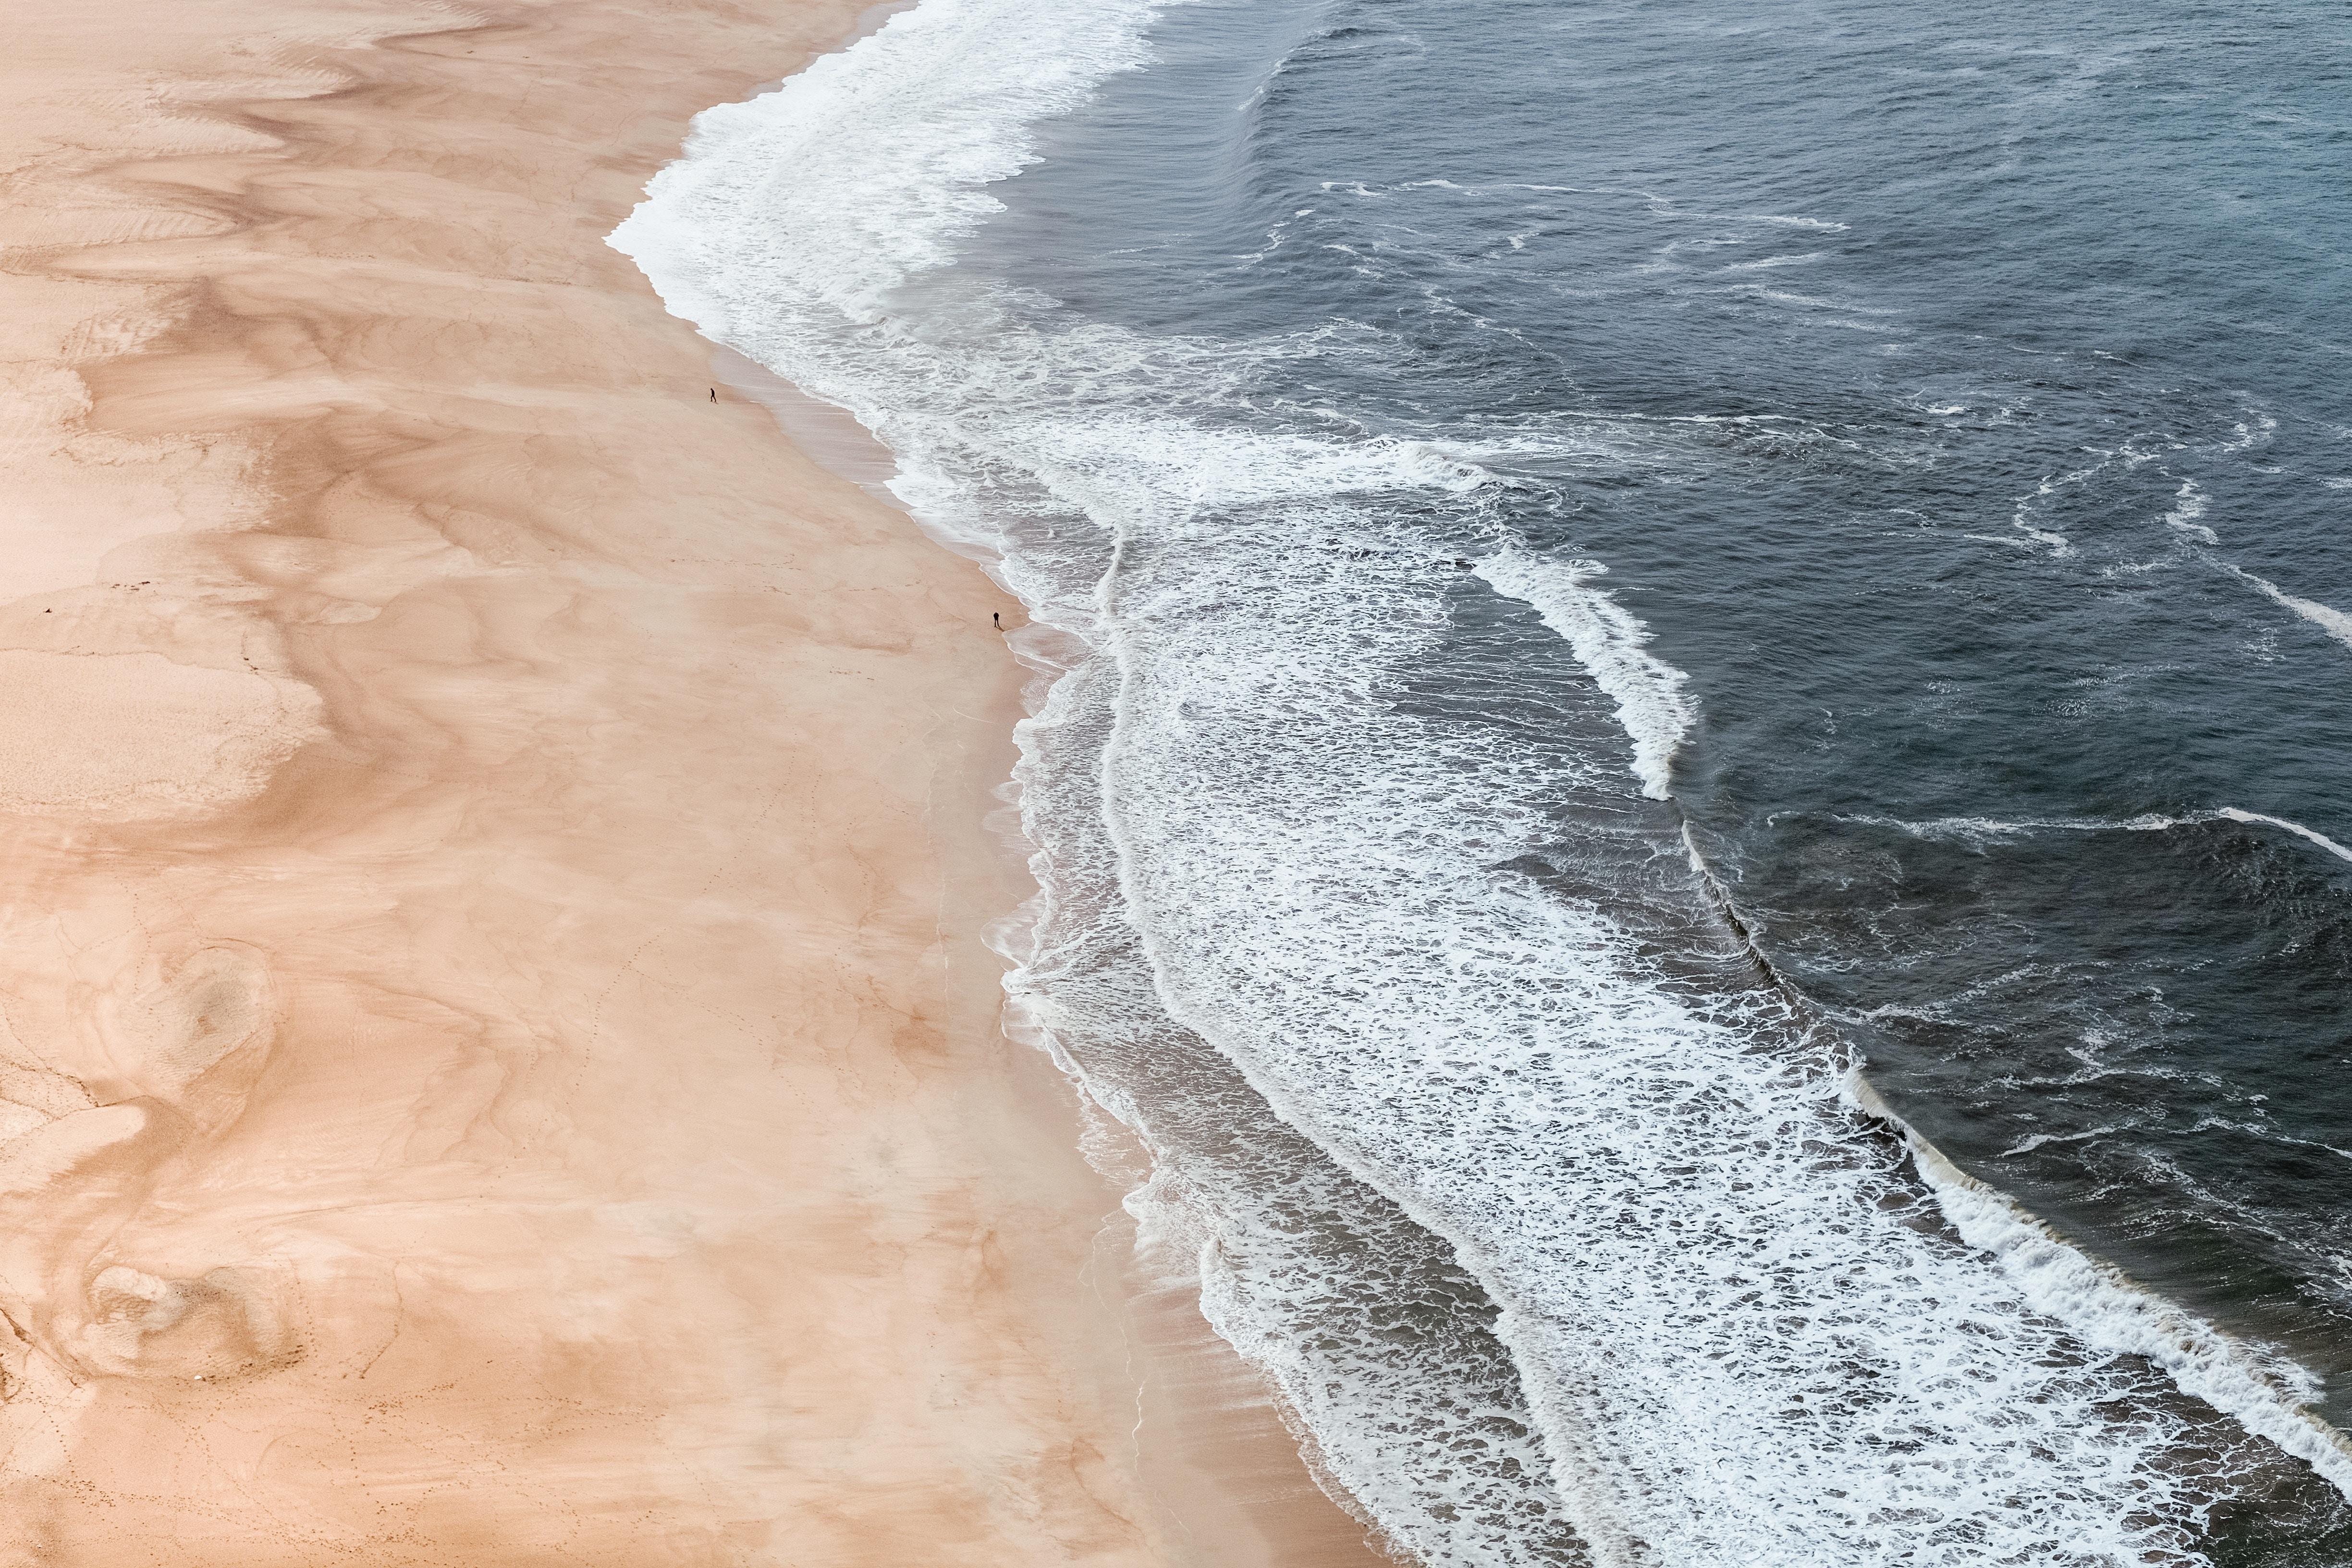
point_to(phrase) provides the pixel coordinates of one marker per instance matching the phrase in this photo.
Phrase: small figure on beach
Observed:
(997, 617)
(714, 394)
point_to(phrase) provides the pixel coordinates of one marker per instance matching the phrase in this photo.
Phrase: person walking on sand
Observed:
(998, 617)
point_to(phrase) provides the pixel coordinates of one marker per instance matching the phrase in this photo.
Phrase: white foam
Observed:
(867, 168)
(2189, 505)
(2334, 622)
(2044, 1139)
(2267, 1392)
(1979, 827)
(2245, 437)
(1967, 827)
(2297, 828)
(2021, 516)
(1611, 642)
(1772, 263)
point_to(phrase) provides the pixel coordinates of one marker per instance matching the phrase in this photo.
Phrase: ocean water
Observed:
(1688, 766)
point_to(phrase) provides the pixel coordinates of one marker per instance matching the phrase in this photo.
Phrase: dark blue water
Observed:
(1607, 562)
(2026, 333)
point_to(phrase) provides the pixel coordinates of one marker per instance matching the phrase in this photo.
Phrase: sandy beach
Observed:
(498, 1064)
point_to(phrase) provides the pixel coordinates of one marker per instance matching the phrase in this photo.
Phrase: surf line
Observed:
(2264, 1393)
(2099, 1304)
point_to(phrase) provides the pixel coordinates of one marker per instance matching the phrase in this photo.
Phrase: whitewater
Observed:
(1467, 1027)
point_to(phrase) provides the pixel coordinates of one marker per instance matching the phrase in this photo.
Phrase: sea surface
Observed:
(1690, 766)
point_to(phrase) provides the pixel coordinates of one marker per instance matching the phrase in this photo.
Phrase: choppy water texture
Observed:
(1599, 566)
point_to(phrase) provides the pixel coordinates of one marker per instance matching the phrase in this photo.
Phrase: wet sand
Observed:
(498, 1061)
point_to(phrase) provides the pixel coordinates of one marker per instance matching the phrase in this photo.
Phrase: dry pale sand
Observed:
(497, 1064)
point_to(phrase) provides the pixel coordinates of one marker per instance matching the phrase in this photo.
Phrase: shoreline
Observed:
(499, 873)
(1225, 1460)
